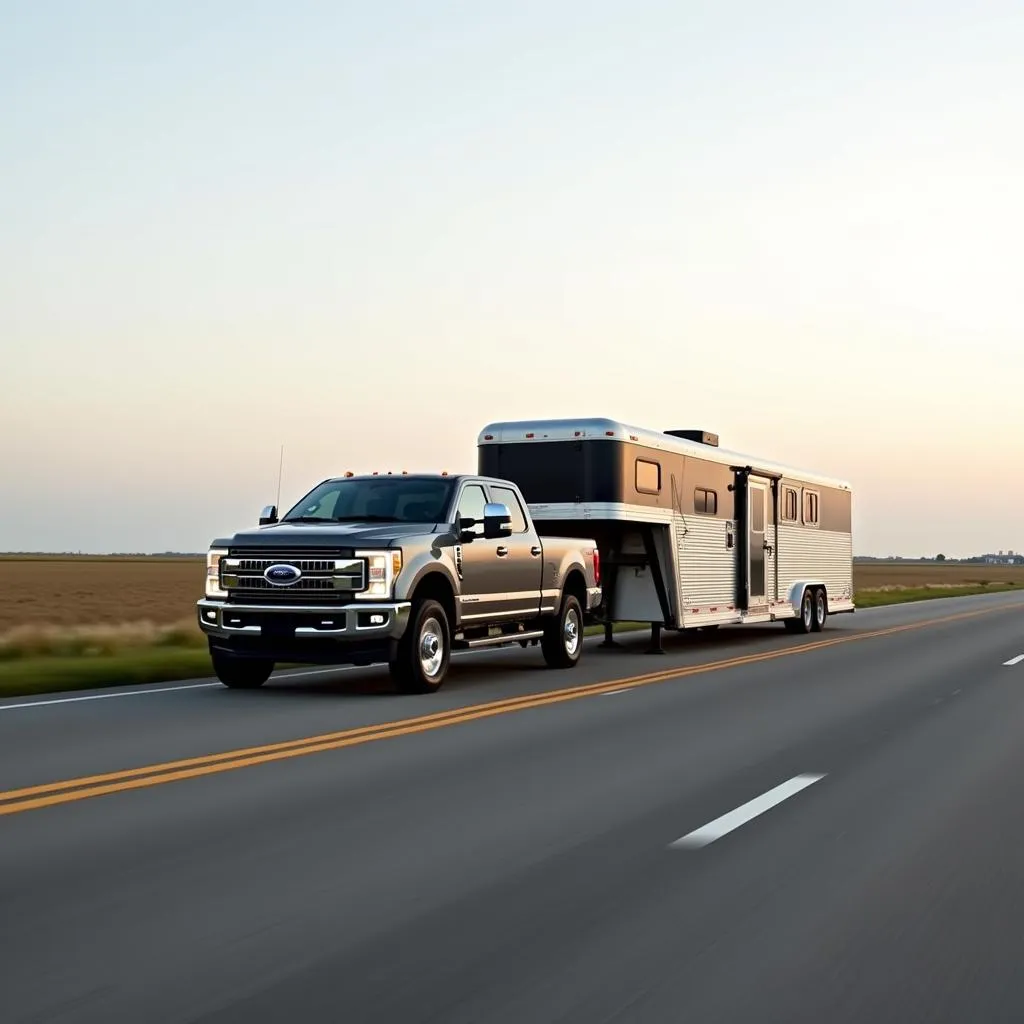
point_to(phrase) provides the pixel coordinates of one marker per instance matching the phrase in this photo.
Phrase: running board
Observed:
(506, 638)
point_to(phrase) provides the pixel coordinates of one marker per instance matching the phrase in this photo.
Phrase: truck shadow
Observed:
(472, 672)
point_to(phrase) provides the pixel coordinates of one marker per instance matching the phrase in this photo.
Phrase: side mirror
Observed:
(464, 529)
(268, 515)
(497, 521)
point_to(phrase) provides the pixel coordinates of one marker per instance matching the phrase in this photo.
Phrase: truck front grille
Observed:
(322, 579)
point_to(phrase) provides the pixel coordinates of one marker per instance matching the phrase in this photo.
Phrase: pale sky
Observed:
(364, 230)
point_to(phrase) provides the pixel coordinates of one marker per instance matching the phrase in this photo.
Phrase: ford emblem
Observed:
(282, 575)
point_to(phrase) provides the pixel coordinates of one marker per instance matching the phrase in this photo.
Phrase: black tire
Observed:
(562, 644)
(805, 622)
(241, 673)
(820, 610)
(416, 669)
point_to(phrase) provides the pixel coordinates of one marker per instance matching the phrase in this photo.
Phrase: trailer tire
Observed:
(241, 673)
(804, 622)
(562, 644)
(424, 652)
(820, 610)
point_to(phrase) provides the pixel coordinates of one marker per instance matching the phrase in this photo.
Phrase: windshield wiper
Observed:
(366, 519)
(342, 519)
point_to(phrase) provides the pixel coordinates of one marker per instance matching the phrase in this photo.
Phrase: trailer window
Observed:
(506, 496)
(705, 502)
(790, 505)
(811, 502)
(648, 477)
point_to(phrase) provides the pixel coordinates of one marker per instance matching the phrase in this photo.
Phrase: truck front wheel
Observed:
(563, 636)
(241, 673)
(421, 662)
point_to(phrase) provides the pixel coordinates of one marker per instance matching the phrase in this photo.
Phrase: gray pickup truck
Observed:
(399, 569)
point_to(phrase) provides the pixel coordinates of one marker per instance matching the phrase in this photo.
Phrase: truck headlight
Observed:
(382, 568)
(213, 587)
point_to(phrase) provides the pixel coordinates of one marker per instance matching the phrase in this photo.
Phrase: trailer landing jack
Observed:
(655, 646)
(609, 642)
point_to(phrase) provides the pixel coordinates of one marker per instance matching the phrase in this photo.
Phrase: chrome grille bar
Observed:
(314, 575)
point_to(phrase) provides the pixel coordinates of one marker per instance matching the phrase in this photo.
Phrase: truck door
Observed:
(522, 567)
(481, 576)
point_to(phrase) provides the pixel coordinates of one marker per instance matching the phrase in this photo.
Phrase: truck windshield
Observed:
(388, 499)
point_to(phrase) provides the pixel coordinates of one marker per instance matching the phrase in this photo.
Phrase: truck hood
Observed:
(327, 534)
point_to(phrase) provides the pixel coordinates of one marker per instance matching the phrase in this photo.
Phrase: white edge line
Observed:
(1015, 661)
(746, 812)
(164, 689)
(102, 696)
(612, 693)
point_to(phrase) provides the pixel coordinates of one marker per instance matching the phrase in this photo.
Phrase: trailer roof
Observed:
(541, 431)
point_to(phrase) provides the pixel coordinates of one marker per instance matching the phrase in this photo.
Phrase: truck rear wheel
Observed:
(421, 663)
(241, 673)
(563, 636)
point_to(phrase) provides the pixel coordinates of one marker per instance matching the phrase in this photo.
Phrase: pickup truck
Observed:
(401, 569)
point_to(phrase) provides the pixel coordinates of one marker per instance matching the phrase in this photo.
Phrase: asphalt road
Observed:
(753, 827)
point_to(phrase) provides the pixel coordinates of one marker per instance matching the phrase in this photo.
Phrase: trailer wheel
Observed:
(820, 610)
(805, 622)
(421, 662)
(563, 635)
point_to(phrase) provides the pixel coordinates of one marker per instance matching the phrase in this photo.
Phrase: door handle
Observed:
(535, 551)
(502, 551)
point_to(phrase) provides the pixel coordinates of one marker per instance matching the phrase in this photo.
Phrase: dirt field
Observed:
(912, 575)
(94, 591)
(163, 591)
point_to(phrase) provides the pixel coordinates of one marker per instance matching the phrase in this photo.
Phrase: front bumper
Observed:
(357, 623)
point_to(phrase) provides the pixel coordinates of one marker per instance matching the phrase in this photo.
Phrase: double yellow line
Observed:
(16, 801)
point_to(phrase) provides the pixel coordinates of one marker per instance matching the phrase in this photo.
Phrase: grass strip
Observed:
(26, 676)
(901, 595)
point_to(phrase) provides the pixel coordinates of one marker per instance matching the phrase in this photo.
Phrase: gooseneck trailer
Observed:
(690, 535)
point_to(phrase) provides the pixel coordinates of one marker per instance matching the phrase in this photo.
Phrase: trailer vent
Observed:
(700, 436)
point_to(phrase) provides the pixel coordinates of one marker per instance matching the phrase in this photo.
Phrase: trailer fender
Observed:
(797, 591)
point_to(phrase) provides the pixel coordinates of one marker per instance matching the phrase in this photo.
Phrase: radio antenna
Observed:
(280, 472)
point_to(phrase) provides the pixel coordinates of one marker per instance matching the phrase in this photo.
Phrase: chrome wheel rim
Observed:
(431, 648)
(808, 611)
(821, 608)
(571, 632)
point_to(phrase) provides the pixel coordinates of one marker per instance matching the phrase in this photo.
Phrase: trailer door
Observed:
(758, 495)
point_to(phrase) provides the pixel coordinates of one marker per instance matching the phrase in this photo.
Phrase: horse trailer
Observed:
(690, 535)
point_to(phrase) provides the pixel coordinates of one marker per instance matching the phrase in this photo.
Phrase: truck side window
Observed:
(471, 505)
(506, 496)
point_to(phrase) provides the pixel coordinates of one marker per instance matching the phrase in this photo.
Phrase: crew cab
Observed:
(401, 569)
